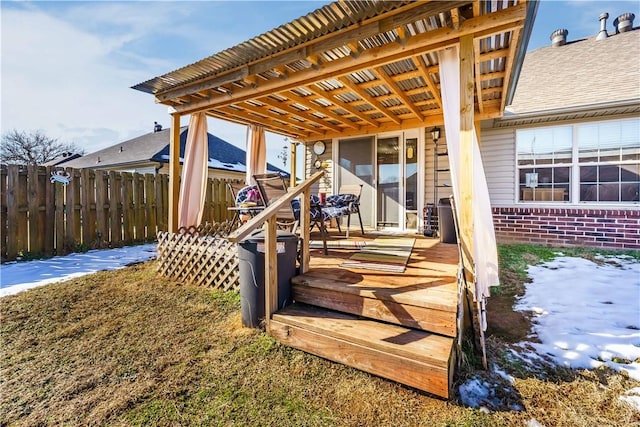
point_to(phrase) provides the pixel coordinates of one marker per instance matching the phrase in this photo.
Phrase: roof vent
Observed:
(157, 127)
(559, 37)
(603, 27)
(624, 22)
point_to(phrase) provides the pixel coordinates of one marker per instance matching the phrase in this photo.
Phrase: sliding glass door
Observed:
(389, 173)
(387, 167)
(356, 166)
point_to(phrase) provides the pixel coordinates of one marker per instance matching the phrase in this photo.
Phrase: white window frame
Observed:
(574, 174)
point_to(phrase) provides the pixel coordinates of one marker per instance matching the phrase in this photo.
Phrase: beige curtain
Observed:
(485, 252)
(256, 152)
(193, 183)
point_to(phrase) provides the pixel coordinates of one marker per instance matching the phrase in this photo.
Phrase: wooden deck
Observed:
(399, 326)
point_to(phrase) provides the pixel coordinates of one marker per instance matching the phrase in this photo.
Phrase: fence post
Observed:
(60, 232)
(115, 190)
(150, 205)
(3, 212)
(139, 209)
(49, 189)
(102, 213)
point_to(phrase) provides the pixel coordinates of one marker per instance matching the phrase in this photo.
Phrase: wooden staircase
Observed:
(400, 327)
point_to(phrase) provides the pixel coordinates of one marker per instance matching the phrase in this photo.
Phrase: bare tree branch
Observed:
(33, 148)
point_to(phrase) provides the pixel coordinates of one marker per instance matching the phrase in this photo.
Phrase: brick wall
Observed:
(598, 228)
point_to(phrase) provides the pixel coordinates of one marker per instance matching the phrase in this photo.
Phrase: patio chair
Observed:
(345, 203)
(273, 186)
(246, 201)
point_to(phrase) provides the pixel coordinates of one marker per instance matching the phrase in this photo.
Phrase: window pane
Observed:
(630, 153)
(552, 184)
(629, 192)
(544, 146)
(608, 192)
(630, 172)
(609, 173)
(588, 174)
(610, 155)
(561, 175)
(588, 192)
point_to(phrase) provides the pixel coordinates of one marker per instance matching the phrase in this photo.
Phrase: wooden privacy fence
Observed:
(41, 216)
(200, 256)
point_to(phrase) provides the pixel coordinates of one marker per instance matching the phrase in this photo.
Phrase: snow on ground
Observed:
(585, 315)
(19, 276)
(632, 397)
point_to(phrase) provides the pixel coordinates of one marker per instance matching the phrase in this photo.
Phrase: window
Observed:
(590, 163)
(609, 161)
(544, 164)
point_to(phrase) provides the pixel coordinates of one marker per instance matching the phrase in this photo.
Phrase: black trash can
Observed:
(445, 222)
(251, 263)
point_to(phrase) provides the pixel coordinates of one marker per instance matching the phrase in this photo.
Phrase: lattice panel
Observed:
(199, 258)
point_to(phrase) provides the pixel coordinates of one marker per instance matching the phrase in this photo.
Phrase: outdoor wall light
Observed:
(435, 134)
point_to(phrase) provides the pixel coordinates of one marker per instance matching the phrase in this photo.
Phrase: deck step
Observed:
(415, 358)
(430, 305)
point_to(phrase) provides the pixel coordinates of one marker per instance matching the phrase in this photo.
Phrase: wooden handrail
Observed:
(268, 216)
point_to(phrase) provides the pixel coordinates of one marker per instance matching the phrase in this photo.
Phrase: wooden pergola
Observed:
(355, 68)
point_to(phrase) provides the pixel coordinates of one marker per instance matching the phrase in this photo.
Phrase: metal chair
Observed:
(345, 203)
(272, 186)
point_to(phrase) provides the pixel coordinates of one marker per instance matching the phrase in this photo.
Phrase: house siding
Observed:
(324, 185)
(497, 149)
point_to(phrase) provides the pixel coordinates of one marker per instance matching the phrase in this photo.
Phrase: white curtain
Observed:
(485, 252)
(256, 152)
(193, 184)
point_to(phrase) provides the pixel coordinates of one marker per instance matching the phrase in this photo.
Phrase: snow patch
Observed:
(632, 397)
(19, 276)
(586, 314)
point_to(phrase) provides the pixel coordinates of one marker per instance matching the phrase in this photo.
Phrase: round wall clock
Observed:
(319, 148)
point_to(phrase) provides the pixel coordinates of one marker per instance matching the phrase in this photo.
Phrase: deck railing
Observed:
(268, 217)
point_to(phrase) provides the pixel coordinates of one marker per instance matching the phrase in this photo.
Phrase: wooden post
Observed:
(150, 204)
(115, 181)
(174, 172)
(465, 204)
(13, 198)
(102, 198)
(305, 220)
(294, 150)
(270, 271)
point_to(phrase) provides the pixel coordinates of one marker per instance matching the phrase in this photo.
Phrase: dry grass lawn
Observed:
(129, 348)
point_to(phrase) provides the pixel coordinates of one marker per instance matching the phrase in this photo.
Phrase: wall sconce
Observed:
(435, 134)
(410, 153)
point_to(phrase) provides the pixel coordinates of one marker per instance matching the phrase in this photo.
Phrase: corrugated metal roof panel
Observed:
(327, 19)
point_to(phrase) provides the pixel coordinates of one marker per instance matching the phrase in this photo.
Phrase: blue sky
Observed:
(67, 67)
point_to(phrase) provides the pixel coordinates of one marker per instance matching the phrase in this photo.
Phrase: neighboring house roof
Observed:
(65, 157)
(581, 75)
(154, 148)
